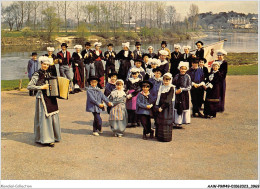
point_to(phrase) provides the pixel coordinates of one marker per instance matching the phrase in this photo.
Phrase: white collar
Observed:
(117, 93)
(164, 89)
(164, 62)
(132, 80)
(157, 79)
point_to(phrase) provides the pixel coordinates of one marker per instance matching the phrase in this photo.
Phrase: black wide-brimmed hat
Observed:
(164, 42)
(138, 60)
(196, 60)
(146, 82)
(204, 59)
(111, 74)
(110, 44)
(34, 53)
(93, 78)
(87, 44)
(146, 54)
(137, 43)
(199, 42)
(64, 44)
(157, 69)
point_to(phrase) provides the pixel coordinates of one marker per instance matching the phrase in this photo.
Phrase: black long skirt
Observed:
(123, 69)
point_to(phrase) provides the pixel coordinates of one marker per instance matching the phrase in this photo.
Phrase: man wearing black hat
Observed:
(164, 47)
(200, 51)
(137, 53)
(31, 68)
(109, 57)
(87, 54)
(145, 63)
(65, 68)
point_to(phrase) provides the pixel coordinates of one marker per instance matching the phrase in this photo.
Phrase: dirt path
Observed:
(222, 148)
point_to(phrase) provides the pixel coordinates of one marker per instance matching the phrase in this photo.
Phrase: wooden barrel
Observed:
(165, 133)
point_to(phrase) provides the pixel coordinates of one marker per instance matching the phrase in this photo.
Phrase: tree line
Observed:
(96, 15)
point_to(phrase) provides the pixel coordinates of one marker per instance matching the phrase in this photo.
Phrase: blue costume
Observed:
(156, 85)
(143, 112)
(31, 68)
(94, 98)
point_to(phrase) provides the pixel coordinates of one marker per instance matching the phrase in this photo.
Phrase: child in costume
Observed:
(118, 113)
(144, 108)
(95, 99)
(182, 82)
(133, 88)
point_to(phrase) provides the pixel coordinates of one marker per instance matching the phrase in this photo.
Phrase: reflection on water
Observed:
(14, 59)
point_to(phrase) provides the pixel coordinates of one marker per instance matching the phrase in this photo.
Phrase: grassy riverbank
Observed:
(29, 38)
(238, 64)
(8, 85)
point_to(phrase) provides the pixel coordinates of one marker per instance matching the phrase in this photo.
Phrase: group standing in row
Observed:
(157, 86)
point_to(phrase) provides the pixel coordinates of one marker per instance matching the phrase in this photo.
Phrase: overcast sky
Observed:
(182, 7)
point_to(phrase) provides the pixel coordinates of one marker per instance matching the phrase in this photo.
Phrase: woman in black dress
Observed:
(125, 56)
(78, 69)
(164, 109)
(99, 68)
(223, 70)
(212, 87)
(52, 67)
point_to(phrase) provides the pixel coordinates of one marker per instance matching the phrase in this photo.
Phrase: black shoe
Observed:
(51, 145)
(206, 116)
(201, 115)
(144, 137)
(195, 115)
(72, 92)
(151, 133)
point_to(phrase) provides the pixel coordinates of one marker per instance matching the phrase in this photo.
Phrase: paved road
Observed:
(222, 148)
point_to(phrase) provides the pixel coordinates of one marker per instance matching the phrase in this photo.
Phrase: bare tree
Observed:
(78, 4)
(28, 9)
(160, 14)
(18, 9)
(170, 15)
(66, 5)
(194, 15)
(35, 5)
(8, 16)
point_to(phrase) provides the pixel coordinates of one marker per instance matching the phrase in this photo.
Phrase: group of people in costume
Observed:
(158, 86)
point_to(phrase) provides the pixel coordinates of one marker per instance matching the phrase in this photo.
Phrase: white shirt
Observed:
(126, 53)
(64, 54)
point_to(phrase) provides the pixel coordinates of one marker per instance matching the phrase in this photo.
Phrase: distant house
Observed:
(240, 22)
(126, 24)
(211, 26)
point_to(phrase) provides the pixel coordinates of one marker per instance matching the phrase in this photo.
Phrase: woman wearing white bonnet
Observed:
(151, 53)
(213, 86)
(46, 121)
(78, 69)
(164, 65)
(187, 56)
(175, 60)
(52, 67)
(182, 81)
(223, 70)
(164, 109)
(124, 56)
(99, 68)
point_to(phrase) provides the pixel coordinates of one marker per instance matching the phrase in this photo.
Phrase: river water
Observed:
(14, 59)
